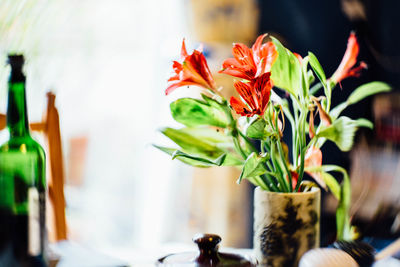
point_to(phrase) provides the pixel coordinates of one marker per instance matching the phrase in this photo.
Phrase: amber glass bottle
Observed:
(22, 182)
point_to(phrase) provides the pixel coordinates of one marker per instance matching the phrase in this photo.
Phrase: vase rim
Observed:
(312, 192)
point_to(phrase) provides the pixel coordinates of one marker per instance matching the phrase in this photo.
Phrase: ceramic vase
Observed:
(286, 225)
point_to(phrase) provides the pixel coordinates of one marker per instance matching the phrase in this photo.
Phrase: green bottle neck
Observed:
(17, 116)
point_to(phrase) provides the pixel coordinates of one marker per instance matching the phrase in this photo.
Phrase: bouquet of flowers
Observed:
(247, 131)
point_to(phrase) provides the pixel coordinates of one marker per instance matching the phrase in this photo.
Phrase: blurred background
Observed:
(108, 62)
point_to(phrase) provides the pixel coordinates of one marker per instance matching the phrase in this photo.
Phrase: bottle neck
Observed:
(17, 117)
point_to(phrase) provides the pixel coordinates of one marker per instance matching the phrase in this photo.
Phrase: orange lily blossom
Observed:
(254, 96)
(250, 63)
(295, 178)
(192, 71)
(313, 158)
(345, 68)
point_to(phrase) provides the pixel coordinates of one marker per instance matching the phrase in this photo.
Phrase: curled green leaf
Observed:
(194, 112)
(341, 132)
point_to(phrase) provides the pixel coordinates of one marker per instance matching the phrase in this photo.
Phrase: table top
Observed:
(76, 255)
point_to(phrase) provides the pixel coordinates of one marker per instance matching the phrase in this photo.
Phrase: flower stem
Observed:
(248, 142)
(280, 150)
(278, 170)
(271, 183)
(237, 146)
(261, 183)
(315, 88)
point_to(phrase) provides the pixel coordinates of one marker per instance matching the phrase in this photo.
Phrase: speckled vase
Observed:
(286, 225)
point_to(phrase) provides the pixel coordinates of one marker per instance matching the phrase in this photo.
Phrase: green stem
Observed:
(237, 146)
(301, 170)
(271, 183)
(315, 88)
(280, 150)
(342, 212)
(328, 94)
(261, 183)
(268, 166)
(248, 142)
(302, 147)
(278, 170)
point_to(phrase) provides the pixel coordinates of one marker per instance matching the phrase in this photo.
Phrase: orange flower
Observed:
(313, 158)
(295, 178)
(324, 116)
(192, 71)
(345, 68)
(250, 63)
(254, 96)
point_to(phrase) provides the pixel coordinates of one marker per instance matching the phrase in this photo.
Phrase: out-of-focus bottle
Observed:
(22, 182)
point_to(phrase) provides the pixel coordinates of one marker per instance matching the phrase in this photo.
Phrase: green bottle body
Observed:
(22, 187)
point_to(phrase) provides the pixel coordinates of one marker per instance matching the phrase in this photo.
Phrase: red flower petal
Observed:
(267, 57)
(239, 107)
(245, 90)
(326, 120)
(255, 95)
(257, 45)
(192, 71)
(173, 86)
(250, 63)
(263, 86)
(244, 55)
(295, 178)
(349, 60)
(183, 49)
(235, 73)
(313, 158)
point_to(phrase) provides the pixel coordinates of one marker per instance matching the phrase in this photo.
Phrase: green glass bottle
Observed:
(22, 182)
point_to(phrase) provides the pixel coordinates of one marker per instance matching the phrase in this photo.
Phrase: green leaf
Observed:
(194, 143)
(341, 132)
(329, 180)
(218, 161)
(366, 90)
(191, 143)
(310, 77)
(335, 112)
(365, 123)
(343, 210)
(305, 77)
(211, 136)
(286, 71)
(189, 161)
(360, 93)
(253, 166)
(194, 112)
(316, 66)
(332, 184)
(256, 129)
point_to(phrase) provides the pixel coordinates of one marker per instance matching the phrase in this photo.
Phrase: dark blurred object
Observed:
(223, 21)
(361, 252)
(382, 224)
(386, 110)
(208, 255)
(377, 23)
